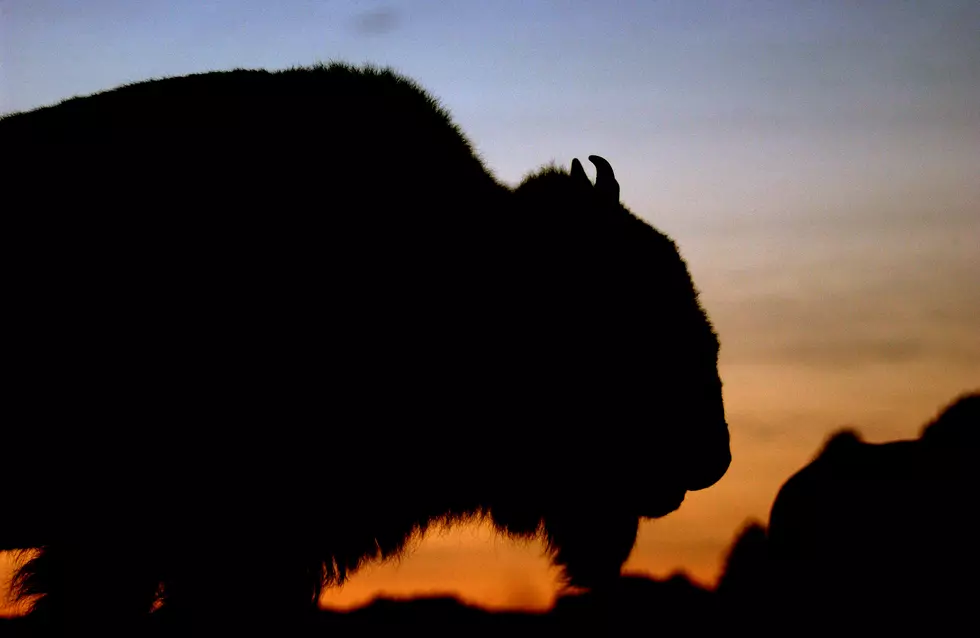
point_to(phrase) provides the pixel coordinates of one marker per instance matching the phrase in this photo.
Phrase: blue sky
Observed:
(651, 82)
(818, 163)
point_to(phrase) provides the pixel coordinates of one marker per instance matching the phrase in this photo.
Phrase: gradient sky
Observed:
(817, 162)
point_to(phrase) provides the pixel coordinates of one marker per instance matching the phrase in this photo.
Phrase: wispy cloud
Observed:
(377, 21)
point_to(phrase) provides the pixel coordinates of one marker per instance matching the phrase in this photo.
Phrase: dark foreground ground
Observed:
(670, 607)
(639, 606)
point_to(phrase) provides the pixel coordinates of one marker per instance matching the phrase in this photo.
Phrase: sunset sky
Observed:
(817, 162)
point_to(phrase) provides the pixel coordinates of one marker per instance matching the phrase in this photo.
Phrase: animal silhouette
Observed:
(269, 326)
(882, 535)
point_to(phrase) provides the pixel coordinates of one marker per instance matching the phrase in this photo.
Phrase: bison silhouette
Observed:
(882, 534)
(266, 327)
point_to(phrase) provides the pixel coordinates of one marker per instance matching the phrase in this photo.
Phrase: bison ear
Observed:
(579, 176)
(605, 181)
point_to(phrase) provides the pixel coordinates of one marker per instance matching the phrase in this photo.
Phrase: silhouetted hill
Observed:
(744, 589)
(432, 616)
(883, 535)
(640, 604)
(636, 603)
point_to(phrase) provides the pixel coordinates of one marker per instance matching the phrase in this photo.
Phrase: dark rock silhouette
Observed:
(744, 569)
(745, 587)
(883, 535)
(266, 327)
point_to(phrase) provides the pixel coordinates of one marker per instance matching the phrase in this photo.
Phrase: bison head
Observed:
(626, 357)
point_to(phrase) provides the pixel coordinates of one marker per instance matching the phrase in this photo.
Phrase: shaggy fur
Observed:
(269, 326)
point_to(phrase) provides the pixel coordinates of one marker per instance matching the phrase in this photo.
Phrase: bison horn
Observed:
(578, 174)
(605, 182)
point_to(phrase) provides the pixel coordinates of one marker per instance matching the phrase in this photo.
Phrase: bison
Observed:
(882, 534)
(268, 326)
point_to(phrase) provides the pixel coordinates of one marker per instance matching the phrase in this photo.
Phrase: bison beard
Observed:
(591, 546)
